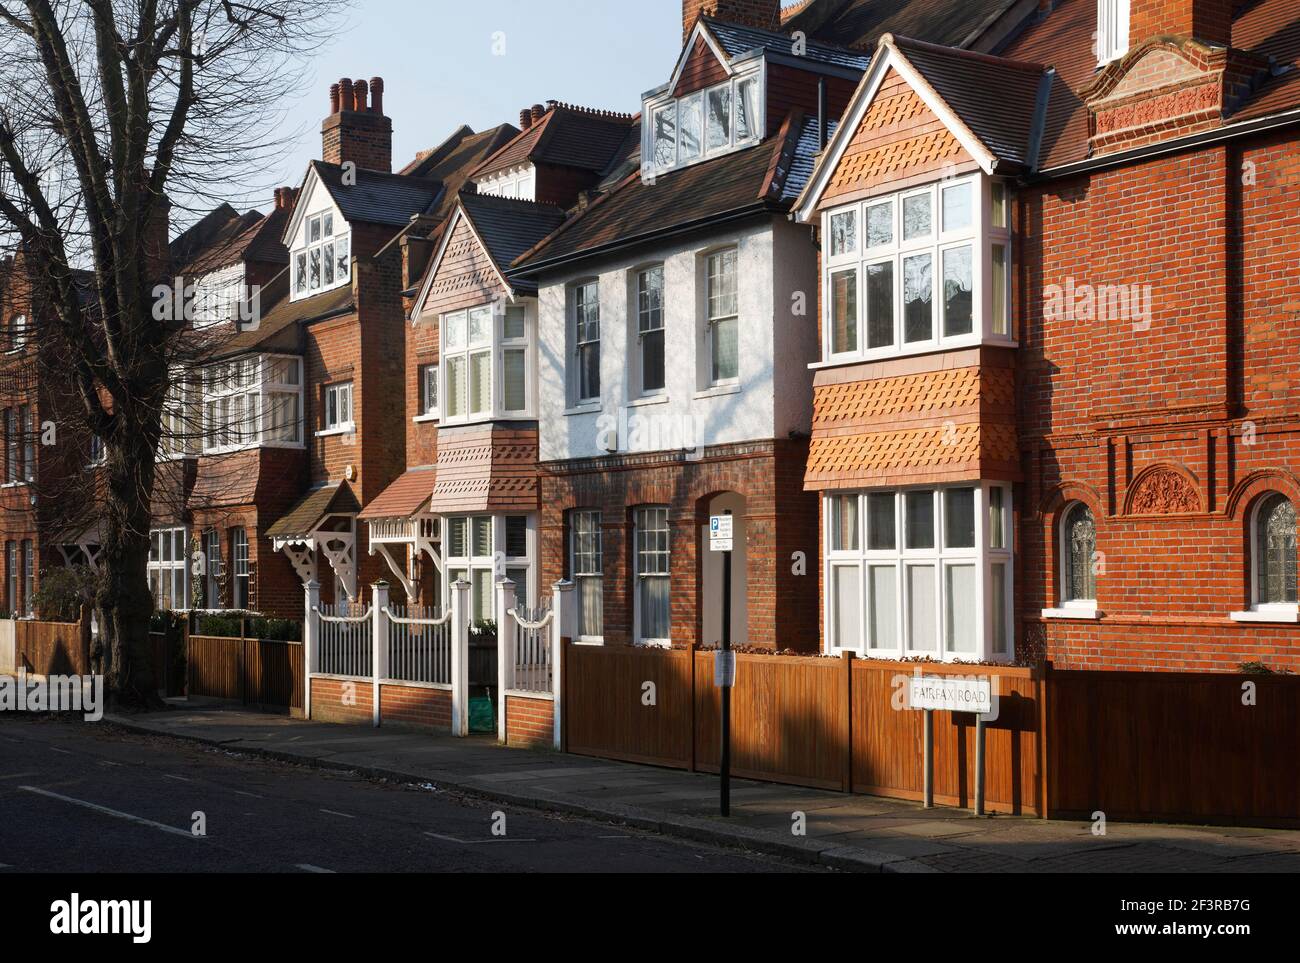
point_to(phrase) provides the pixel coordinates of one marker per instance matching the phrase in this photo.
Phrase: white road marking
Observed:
(19, 775)
(476, 842)
(177, 778)
(613, 837)
(57, 749)
(333, 813)
(309, 868)
(240, 792)
(139, 820)
(106, 762)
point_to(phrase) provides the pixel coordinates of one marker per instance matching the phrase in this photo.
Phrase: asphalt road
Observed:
(81, 798)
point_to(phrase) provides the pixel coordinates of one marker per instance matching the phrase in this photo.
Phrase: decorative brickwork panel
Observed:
(465, 276)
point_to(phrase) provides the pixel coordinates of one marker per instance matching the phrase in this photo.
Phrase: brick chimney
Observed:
(754, 13)
(356, 129)
(286, 198)
(1209, 21)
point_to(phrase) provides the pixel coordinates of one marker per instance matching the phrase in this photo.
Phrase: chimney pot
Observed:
(345, 94)
(377, 95)
(334, 98)
(279, 198)
(360, 96)
(538, 112)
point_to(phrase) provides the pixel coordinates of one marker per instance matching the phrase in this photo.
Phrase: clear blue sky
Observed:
(440, 69)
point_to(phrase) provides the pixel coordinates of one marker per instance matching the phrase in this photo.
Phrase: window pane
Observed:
(1001, 323)
(453, 331)
(881, 522)
(997, 518)
(919, 508)
(922, 634)
(844, 312)
(692, 127)
(880, 305)
(918, 311)
(300, 272)
(960, 605)
(590, 591)
(719, 108)
(957, 207)
(652, 361)
(999, 191)
(516, 537)
(589, 371)
(957, 287)
(655, 614)
(650, 300)
(343, 257)
(726, 358)
(456, 387)
(998, 604)
(483, 590)
(513, 325)
(482, 529)
(1276, 547)
(844, 523)
(846, 606)
(917, 217)
(665, 134)
(480, 382)
(844, 233)
(880, 224)
(515, 378)
(748, 122)
(722, 284)
(1081, 545)
(480, 327)
(327, 262)
(313, 268)
(457, 538)
(959, 517)
(882, 583)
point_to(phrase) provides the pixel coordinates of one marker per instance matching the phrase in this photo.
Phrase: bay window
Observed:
(722, 309)
(920, 573)
(249, 402)
(487, 354)
(587, 566)
(322, 259)
(480, 549)
(704, 124)
(921, 269)
(653, 577)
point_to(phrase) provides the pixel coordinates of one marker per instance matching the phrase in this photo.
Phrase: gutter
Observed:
(1203, 139)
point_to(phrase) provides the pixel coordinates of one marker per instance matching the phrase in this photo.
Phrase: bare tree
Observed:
(111, 111)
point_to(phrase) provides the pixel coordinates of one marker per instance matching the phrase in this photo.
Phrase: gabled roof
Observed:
(252, 237)
(861, 23)
(565, 136)
(306, 516)
(750, 181)
(385, 199)
(996, 108)
(186, 246)
(454, 161)
(505, 228)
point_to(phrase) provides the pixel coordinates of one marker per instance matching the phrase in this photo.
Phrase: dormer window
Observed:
(1112, 30)
(704, 124)
(515, 182)
(323, 258)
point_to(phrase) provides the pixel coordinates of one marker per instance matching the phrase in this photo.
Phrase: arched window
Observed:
(1275, 551)
(1078, 552)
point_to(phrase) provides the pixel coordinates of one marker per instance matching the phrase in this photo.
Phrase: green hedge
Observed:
(228, 626)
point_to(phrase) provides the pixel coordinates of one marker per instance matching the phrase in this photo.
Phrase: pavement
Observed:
(846, 832)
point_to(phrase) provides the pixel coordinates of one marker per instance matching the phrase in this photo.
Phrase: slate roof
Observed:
(747, 181)
(320, 503)
(565, 136)
(386, 199)
(454, 161)
(861, 23)
(251, 237)
(805, 157)
(187, 245)
(509, 227)
(736, 39)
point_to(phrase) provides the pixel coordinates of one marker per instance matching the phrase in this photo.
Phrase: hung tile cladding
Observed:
(1052, 411)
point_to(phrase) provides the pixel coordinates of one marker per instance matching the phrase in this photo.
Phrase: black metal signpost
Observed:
(720, 540)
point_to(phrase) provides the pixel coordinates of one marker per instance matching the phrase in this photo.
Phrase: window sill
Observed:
(718, 391)
(647, 401)
(594, 643)
(427, 419)
(1279, 616)
(929, 347)
(1082, 613)
(335, 432)
(15, 484)
(587, 408)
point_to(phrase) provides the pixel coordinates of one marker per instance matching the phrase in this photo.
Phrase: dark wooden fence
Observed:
(1158, 746)
(252, 671)
(53, 648)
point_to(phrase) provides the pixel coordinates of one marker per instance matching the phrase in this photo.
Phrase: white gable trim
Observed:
(699, 31)
(417, 310)
(887, 56)
(309, 184)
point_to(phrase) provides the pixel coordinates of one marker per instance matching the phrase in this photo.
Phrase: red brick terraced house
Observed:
(468, 505)
(358, 239)
(1054, 409)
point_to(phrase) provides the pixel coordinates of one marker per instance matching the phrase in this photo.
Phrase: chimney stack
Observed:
(538, 112)
(285, 198)
(525, 119)
(1209, 21)
(764, 14)
(356, 129)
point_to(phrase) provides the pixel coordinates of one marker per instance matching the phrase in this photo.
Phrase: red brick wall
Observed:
(780, 519)
(327, 703)
(530, 722)
(1203, 400)
(757, 13)
(415, 706)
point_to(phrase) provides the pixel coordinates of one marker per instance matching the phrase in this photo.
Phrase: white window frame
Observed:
(1283, 612)
(712, 321)
(638, 315)
(1114, 23)
(333, 394)
(27, 551)
(320, 233)
(430, 389)
(755, 73)
(516, 183)
(640, 514)
(587, 564)
(496, 562)
(1071, 608)
(939, 559)
(495, 345)
(981, 236)
(160, 564)
(577, 342)
(19, 335)
(248, 380)
(239, 568)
